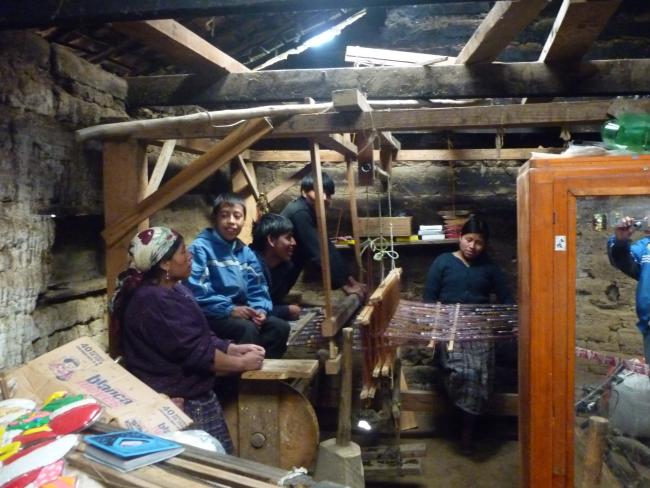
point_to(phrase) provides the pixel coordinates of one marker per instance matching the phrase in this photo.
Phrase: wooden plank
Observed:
(35, 13)
(366, 56)
(440, 119)
(499, 28)
(205, 165)
(124, 180)
(589, 78)
(180, 45)
(577, 26)
(161, 166)
(501, 404)
(408, 155)
(336, 142)
(191, 146)
(216, 474)
(295, 178)
(283, 369)
(244, 183)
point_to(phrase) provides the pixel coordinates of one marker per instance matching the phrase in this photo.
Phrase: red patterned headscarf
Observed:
(146, 250)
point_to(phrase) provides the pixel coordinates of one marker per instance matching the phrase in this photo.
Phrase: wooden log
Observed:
(188, 178)
(590, 78)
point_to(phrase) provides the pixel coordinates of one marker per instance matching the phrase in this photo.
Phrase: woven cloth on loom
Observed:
(416, 322)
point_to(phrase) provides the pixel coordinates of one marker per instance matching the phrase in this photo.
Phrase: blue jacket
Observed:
(226, 274)
(634, 261)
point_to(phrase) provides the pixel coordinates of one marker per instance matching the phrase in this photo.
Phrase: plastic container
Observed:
(629, 132)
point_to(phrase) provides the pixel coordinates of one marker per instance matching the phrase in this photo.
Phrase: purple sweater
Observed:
(167, 342)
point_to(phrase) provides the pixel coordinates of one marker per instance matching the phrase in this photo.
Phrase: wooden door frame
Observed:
(548, 191)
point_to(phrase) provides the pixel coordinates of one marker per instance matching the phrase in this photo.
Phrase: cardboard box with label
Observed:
(81, 366)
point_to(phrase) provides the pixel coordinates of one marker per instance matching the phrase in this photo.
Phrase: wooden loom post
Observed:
(354, 217)
(125, 184)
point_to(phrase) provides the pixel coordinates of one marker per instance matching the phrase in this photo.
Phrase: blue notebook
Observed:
(129, 449)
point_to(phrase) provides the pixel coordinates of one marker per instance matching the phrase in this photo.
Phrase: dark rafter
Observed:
(593, 78)
(45, 13)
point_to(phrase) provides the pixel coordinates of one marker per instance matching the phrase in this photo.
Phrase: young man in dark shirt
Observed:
(302, 215)
(274, 245)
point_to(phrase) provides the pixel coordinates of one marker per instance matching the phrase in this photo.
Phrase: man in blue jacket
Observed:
(229, 285)
(633, 259)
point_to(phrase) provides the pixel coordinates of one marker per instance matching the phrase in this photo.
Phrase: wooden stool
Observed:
(271, 422)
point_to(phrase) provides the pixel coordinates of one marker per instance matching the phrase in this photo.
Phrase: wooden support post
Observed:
(243, 179)
(125, 181)
(354, 217)
(343, 432)
(595, 448)
(204, 166)
(328, 328)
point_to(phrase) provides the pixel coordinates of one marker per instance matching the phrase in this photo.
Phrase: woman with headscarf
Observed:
(468, 276)
(164, 337)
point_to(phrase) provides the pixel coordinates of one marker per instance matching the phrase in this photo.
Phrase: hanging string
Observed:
(450, 146)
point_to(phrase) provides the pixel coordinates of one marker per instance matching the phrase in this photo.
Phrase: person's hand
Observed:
(243, 312)
(624, 229)
(251, 360)
(259, 318)
(354, 287)
(242, 349)
(294, 312)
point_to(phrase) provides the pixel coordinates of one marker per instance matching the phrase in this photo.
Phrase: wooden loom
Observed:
(378, 355)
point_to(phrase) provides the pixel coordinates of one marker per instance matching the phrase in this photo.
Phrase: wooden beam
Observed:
(502, 404)
(289, 182)
(336, 142)
(37, 13)
(240, 139)
(180, 45)
(160, 167)
(499, 28)
(125, 180)
(244, 183)
(577, 26)
(407, 155)
(365, 56)
(592, 78)
(191, 146)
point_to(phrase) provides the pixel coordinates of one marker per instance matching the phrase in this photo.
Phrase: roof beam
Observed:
(45, 13)
(577, 26)
(180, 45)
(499, 28)
(593, 78)
(366, 56)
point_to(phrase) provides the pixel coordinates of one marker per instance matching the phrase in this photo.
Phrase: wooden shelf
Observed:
(441, 242)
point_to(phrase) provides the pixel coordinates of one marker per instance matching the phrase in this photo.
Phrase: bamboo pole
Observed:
(139, 129)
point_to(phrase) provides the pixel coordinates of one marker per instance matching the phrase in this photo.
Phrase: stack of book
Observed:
(454, 221)
(431, 233)
(127, 450)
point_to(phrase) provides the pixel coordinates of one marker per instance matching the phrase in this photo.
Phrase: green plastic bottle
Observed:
(629, 132)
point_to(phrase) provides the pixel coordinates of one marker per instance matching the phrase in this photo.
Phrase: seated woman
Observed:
(468, 276)
(164, 336)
